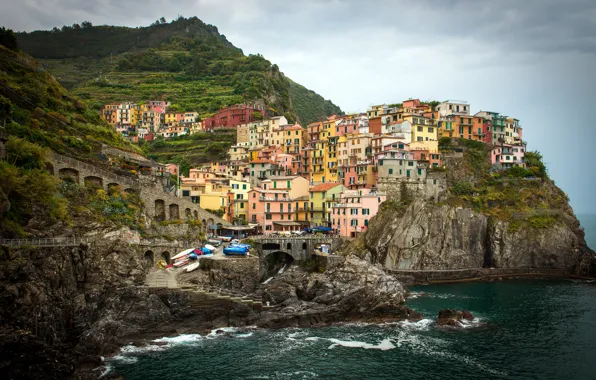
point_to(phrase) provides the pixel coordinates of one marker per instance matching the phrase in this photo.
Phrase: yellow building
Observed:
(423, 129)
(315, 161)
(170, 118)
(321, 199)
(239, 204)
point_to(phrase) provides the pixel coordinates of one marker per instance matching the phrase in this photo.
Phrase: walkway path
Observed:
(162, 279)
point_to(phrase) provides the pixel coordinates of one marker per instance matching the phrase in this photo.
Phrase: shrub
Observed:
(462, 188)
(518, 172)
(540, 222)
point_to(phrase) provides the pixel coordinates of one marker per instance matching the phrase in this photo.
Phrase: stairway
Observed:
(205, 297)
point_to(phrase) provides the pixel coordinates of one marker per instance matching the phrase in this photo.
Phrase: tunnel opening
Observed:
(149, 256)
(276, 264)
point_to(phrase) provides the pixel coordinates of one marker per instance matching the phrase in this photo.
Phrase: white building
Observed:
(453, 107)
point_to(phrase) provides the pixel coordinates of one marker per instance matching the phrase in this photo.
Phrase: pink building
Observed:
(172, 169)
(506, 156)
(284, 161)
(158, 106)
(274, 206)
(352, 214)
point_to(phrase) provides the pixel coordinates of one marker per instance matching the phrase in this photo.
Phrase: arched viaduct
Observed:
(158, 204)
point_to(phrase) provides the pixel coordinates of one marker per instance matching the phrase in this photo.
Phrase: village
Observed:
(330, 176)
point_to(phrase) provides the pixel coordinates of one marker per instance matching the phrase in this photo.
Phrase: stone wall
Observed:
(159, 204)
(115, 152)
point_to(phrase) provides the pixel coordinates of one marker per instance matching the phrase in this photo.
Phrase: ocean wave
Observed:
(180, 339)
(422, 325)
(124, 359)
(384, 345)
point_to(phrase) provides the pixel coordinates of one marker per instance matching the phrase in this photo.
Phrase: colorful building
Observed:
(321, 198)
(352, 212)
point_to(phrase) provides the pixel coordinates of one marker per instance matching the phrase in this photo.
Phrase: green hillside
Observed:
(192, 150)
(186, 62)
(38, 114)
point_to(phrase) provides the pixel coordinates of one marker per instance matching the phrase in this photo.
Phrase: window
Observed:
(431, 130)
(419, 138)
(354, 222)
(241, 205)
(420, 129)
(390, 171)
(243, 187)
(410, 163)
(254, 206)
(419, 172)
(366, 222)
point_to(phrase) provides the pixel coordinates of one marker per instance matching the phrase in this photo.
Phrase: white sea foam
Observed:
(130, 349)
(423, 324)
(180, 339)
(125, 359)
(106, 370)
(384, 345)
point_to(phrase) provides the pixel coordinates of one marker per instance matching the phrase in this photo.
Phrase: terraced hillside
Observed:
(186, 62)
(191, 151)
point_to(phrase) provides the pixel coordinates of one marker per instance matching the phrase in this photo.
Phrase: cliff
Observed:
(517, 218)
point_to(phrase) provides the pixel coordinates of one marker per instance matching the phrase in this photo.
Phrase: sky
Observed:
(534, 60)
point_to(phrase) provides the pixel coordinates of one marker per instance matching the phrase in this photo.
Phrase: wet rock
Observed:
(453, 318)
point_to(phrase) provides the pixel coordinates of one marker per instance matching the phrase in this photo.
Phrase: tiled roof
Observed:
(324, 187)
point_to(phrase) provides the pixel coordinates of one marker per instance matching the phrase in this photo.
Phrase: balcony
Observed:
(269, 199)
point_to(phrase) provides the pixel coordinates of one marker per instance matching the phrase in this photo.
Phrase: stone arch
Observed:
(174, 211)
(69, 173)
(130, 190)
(187, 214)
(210, 222)
(204, 222)
(49, 165)
(93, 181)
(196, 214)
(304, 246)
(149, 258)
(289, 246)
(160, 210)
(114, 187)
(165, 255)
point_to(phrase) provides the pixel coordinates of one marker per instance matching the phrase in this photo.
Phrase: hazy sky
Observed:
(533, 59)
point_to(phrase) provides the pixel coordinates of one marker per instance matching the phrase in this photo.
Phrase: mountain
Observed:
(186, 62)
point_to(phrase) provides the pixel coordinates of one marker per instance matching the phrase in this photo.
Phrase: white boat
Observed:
(183, 253)
(210, 247)
(180, 263)
(192, 267)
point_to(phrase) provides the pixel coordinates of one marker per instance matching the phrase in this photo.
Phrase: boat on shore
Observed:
(192, 267)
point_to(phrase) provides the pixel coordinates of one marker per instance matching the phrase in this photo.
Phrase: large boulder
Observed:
(453, 318)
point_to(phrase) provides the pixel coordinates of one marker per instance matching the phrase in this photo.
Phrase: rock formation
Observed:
(427, 236)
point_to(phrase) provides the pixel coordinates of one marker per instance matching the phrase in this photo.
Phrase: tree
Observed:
(162, 20)
(8, 38)
(86, 24)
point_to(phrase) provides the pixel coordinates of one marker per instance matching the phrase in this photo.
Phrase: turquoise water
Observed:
(523, 330)
(588, 222)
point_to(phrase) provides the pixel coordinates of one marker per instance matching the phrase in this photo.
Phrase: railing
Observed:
(44, 242)
(293, 237)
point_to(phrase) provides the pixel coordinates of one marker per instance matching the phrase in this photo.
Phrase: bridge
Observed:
(158, 203)
(298, 247)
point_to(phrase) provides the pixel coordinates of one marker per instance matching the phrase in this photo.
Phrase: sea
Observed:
(523, 329)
